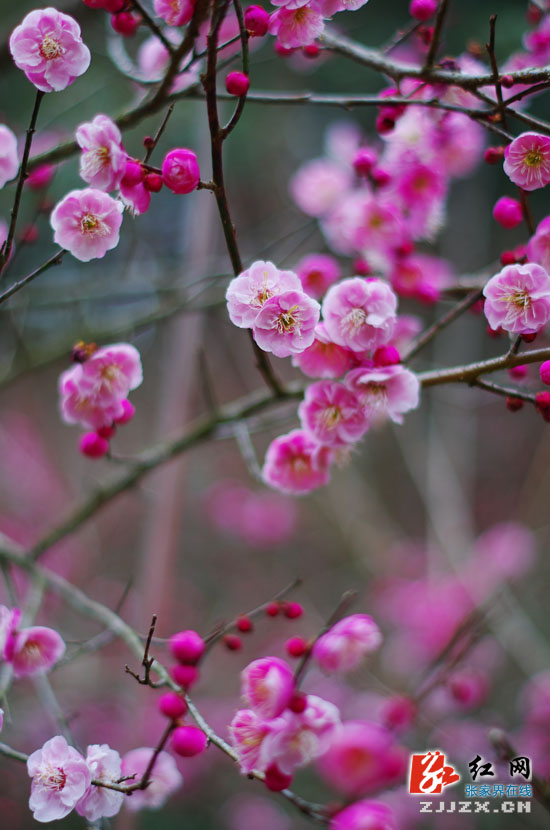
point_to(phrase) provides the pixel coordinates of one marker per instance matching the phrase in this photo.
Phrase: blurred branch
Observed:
(17, 286)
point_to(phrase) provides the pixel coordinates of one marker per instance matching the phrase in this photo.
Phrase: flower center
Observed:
(90, 224)
(330, 416)
(300, 15)
(33, 652)
(51, 778)
(287, 323)
(534, 158)
(354, 320)
(51, 48)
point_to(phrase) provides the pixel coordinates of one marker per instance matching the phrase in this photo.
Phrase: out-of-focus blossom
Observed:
(317, 272)
(386, 392)
(318, 185)
(364, 815)
(9, 159)
(36, 650)
(296, 463)
(165, 777)
(347, 643)
(174, 12)
(248, 731)
(100, 802)
(297, 26)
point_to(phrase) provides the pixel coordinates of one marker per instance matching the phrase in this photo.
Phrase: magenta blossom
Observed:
(286, 323)
(527, 161)
(247, 732)
(267, 686)
(517, 299)
(48, 47)
(333, 414)
(100, 802)
(87, 223)
(317, 272)
(103, 159)
(364, 815)
(165, 777)
(296, 27)
(296, 463)
(249, 291)
(174, 12)
(60, 777)
(385, 392)
(180, 170)
(36, 650)
(9, 159)
(347, 643)
(359, 313)
(538, 247)
(324, 359)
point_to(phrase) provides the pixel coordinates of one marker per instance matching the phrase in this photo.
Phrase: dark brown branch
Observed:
(438, 30)
(494, 65)
(153, 26)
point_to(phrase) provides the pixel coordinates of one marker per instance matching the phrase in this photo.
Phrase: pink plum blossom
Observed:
(527, 161)
(174, 12)
(36, 650)
(48, 48)
(538, 247)
(9, 620)
(359, 313)
(318, 185)
(100, 802)
(60, 777)
(422, 276)
(267, 686)
(324, 359)
(286, 323)
(347, 643)
(87, 223)
(136, 197)
(333, 413)
(103, 159)
(517, 299)
(317, 272)
(385, 392)
(364, 815)
(250, 290)
(247, 731)
(9, 159)
(296, 27)
(165, 777)
(295, 463)
(362, 758)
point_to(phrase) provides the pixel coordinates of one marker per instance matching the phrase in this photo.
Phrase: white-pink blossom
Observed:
(385, 392)
(360, 313)
(101, 802)
(60, 777)
(165, 777)
(103, 158)
(250, 290)
(9, 158)
(86, 223)
(286, 323)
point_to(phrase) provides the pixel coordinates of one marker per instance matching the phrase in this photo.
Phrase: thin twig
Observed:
(494, 65)
(442, 323)
(158, 134)
(347, 599)
(153, 26)
(17, 286)
(436, 37)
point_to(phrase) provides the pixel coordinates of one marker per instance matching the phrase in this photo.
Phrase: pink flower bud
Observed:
(508, 212)
(153, 182)
(128, 413)
(187, 646)
(298, 703)
(133, 173)
(507, 81)
(422, 9)
(494, 155)
(296, 646)
(256, 21)
(172, 706)
(544, 372)
(107, 432)
(244, 624)
(237, 83)
(232, 642)
(519, 372)
(514, 404)
(380, 176)
(113, 6)
(292, 610)
(188, 741)
(275, 780)
(364, 161)
(311, 50)
(398, 712)
(386, 356)
(125, 23)
(272, 609)
(180, 170)
(93, 445)
(185, 676)
(361, 267)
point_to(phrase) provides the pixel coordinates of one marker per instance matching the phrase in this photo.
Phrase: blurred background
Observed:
(201, 540)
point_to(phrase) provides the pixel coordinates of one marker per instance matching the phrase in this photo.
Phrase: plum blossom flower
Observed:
(324, 359)
(48, 48)
(267, 686)
(333, 414)
(60, 777)
(165, 777)
(364, 815)
(86, 223)
(100, 802)
(297, 26)
(296, 740)
(9, 159)
(317, 272)
(318, 185)
(286, 323)
(103, 159)
(250, 290)
(174, 12)
(346, 644)
(538, 247)
(36, 650)
(247, 731)
(296, 463)
(518, 299)
(527, 161)
(385, 392)
(359, 313)
(9, 620)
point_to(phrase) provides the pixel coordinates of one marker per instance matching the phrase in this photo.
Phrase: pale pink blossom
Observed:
(538, 247)
(296, 463)
(174, 12)
(247, 731)
(251, 289)
(333, 414)
(378, 224)
(296, 740)
(318, 185)
(267, 685)
(60, 777)
(347, 643)
(527, 161)
(100, 802)
(517, 299)
(385, 392)
(103, 158)
(317, 272)
(9, 621)
(48, 48)
(286, 323)
(364, 815)
(359, 313)
(296, 27)
(153, 58)
(328, 8)
(36, 650)
(9, 158)
(165, 777)
(362, 757)
(324, 358)
(87, 223)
